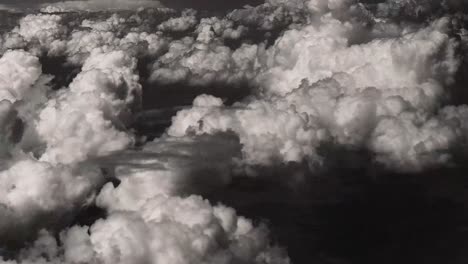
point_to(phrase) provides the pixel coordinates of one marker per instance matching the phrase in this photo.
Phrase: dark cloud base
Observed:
(352, 213)
(360, 219)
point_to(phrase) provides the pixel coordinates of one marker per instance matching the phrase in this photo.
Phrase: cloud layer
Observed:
(357, 76)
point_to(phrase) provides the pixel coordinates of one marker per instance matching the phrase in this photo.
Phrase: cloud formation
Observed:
(69, 148)
(358, 76)
(84, 121)
(324, 89)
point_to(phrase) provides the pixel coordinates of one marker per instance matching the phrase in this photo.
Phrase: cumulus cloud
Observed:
(75, 134)
(210, 28)
(23, 89)
(200, 63)
(36, 195)
(408, 66)
(31, 189)
(271, 15)
(166, 229)
(186, 21)
(19, 71)
(148, 222)
(322, 72)
(268, 134)
(318, 51)
(41, 33)
(88, 118)
(82, 43)
(325, 89)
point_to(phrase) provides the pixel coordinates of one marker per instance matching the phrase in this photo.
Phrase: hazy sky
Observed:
(197, 4)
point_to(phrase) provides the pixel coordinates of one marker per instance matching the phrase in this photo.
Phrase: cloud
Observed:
(182, 23)
(324, 89)
(148, 222)
(8, 8)
(203, 62)
(166, 229)
(37, 195)
(56, 36)
(268, 134)
(382, 70)
(87, 119)
(23, 89)
(19, 71)
(417, 10)
(321, 72)
(72, 144)
(99, 5)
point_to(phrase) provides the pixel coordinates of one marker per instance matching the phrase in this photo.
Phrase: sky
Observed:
(211, 5)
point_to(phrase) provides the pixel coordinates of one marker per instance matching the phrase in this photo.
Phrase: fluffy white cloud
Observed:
(354, 91)
(268, 132)
(166, 229)
(113, 23)
(203, 64)
(82, 43)
(87, 119)
(186, 21)
(36, 194)
(318, 51)
(23, 90)
(272, 15)
(42, 32)
(19, 71)
(214, 27)
(149, 223)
